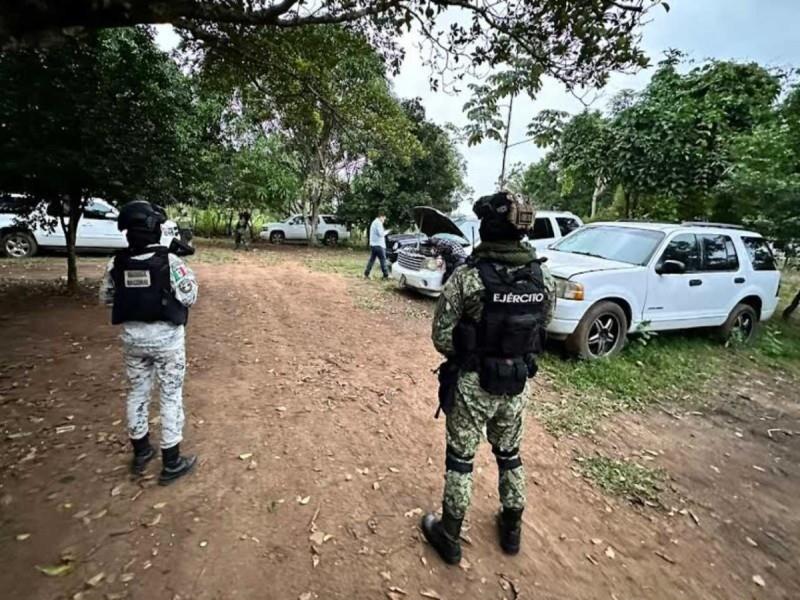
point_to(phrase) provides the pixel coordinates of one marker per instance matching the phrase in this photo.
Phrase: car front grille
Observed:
(410, 261)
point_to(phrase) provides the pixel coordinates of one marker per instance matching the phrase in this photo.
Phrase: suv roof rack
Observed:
(710, 224)
(645, 221)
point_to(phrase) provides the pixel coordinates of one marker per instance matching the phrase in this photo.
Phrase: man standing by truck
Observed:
(377, 245)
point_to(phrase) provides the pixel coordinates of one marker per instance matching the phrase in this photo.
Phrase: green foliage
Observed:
(334, 109)
(105, 113)
(632, 481)
(432, 176)
(101, 116)
(636, 379)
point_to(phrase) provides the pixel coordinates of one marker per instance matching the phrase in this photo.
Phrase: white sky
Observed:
(765, 31)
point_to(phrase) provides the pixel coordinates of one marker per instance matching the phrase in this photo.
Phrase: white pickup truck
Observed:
(22, 236)
(329, 229)
(614, 278)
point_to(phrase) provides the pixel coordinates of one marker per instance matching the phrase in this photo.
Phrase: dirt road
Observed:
(313, 420)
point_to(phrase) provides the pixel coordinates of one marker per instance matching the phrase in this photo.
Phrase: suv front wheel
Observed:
(18, 244)
(601, 332)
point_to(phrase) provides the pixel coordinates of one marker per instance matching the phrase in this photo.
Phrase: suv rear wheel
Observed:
(740, 328)
(601, 332)
(18, 244)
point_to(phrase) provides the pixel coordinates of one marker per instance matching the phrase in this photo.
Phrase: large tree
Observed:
(431, 176)
(577, 42)
(97, 117)
(334, 109)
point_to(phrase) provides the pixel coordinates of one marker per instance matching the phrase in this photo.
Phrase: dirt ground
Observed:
(313, 419)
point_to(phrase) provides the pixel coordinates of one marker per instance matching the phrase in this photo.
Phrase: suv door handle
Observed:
(695, 282)
(739, 280)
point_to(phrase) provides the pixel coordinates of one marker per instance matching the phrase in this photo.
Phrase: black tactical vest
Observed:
(142, 289)
(509, 332)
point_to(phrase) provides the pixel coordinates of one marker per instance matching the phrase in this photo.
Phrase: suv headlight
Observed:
(433, 264)
(569, 290)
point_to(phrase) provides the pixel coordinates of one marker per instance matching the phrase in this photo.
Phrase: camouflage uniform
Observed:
(475, 410)
(155, 350)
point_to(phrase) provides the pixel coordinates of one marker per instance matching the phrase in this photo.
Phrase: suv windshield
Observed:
(623, 244)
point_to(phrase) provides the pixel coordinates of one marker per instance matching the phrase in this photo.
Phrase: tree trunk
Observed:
(70, 228)
(792, 307)
(503, 181)
(599, 188)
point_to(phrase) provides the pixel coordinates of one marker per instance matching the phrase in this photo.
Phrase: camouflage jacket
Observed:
(463, 291)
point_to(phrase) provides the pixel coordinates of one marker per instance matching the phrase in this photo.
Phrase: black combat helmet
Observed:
(141, 215)
(504, 216)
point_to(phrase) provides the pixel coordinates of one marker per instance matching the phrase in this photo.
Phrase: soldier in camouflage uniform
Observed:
(150, 291)
(472, 311)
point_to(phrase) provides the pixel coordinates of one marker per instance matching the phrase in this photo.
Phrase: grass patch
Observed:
(341, 261)
(668, 369)
(623, 478)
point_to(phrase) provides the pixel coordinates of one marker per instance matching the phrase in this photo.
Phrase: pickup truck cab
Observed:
(329, 229)
(549, 226)
(618, 277)
(27, 226)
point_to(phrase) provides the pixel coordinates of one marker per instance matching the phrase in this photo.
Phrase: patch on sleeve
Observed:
(137, 279)
(185, 286)
(179, 272)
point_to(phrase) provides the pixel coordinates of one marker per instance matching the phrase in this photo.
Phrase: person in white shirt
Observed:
(377, 245)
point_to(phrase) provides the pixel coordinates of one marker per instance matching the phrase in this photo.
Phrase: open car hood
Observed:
(431, 221)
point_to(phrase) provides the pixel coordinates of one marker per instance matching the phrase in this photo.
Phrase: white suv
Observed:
(615, 278)
(26, 226)
(329, 229)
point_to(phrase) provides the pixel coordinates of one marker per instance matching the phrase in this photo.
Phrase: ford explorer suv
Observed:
(329, 229)
(27, 226)
(619, 277)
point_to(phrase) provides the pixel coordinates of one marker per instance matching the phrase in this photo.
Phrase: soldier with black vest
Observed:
(150, 292)
(489, 324)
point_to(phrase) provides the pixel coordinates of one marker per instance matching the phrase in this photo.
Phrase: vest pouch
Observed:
(519, 335)
(503, 376)
(465, 338)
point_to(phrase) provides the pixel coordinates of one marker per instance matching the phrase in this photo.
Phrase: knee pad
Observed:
(507, 459)
(458, 462)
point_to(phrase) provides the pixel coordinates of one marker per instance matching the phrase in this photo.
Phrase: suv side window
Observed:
(760, 254)
(567, 225)
(719, 254)
(94, 210)
(542, 229)
(296, 221)
(683, 248)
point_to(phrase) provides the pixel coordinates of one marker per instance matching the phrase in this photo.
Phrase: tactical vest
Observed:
(502, 343)
(142, 290)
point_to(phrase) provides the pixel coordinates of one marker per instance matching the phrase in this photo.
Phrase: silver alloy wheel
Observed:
(18, 246)
(603, 335)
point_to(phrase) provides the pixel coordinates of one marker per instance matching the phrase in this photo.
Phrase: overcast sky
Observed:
(765, 31)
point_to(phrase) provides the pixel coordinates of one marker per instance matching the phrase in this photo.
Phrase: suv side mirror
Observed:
(671, 267)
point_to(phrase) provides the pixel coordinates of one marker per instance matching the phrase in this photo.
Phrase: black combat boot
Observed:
(143, 453)
(444, 535)
(175, 465)
(509, 522)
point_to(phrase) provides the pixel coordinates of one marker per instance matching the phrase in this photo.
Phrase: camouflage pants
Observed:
(167, 364)
(502, 418)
